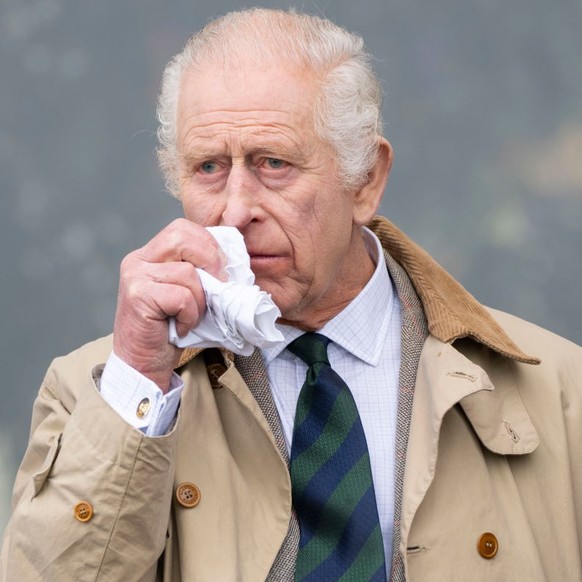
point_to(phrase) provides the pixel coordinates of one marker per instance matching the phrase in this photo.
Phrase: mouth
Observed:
(262, 263)
(261, 257)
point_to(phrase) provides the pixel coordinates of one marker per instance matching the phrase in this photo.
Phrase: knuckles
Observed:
(134, 291)
(176, 235)
(182, 233)
(181, 240)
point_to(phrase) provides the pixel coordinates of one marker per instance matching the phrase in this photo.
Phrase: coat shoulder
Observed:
(560, 371)
(538, 341)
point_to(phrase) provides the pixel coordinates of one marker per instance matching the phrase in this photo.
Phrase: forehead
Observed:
(246, 96)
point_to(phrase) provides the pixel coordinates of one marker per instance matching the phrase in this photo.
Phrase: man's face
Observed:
(250, 158)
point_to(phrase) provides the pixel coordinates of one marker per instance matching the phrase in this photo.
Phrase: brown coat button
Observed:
(215, 371)
(83, 511)
(188, 495)
(487, 546)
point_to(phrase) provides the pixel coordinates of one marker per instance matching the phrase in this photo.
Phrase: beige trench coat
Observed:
(495, 447)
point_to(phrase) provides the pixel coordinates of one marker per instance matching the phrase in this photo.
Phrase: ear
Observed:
(367, 199)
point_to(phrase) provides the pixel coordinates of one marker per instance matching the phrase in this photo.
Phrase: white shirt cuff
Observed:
(137, 399)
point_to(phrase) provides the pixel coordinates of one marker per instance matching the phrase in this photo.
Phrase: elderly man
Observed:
(409, 437)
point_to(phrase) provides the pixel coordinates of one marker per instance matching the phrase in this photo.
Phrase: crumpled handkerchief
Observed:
(238, 314)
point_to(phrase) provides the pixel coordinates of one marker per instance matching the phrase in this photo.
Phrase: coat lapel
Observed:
(226, 448)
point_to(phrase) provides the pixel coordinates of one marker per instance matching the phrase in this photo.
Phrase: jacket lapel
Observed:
(412, 337)
(253, 372)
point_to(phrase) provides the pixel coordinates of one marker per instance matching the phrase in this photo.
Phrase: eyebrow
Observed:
(200, 154)
(273, 149)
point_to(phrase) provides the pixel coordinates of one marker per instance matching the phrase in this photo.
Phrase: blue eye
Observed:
(208, 167)
(275, 164)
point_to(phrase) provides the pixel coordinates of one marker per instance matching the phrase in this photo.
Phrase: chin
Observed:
(283, 298)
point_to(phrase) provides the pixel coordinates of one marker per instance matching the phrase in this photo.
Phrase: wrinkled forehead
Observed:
(244, 80)
(250, 67)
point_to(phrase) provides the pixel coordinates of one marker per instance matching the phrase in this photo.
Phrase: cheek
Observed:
(309, 218)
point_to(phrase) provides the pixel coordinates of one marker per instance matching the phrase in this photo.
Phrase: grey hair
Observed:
(348, 108)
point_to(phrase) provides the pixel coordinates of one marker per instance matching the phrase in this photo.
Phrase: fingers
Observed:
(149, 299)
(183, 240)
(141, 280)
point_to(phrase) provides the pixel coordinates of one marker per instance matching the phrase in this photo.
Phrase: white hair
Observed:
(347, 112)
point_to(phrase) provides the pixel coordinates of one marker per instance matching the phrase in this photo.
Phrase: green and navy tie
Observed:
(333, 492)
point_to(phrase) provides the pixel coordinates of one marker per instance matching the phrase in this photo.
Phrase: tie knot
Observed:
(311, 348)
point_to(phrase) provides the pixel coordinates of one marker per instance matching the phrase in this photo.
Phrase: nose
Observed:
(241, 198)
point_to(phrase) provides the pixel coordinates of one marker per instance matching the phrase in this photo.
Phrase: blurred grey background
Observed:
(483, 107)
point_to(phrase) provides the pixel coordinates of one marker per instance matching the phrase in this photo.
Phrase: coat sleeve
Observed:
(81, 451)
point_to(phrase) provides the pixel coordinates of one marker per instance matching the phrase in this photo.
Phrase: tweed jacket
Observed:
(491, 487)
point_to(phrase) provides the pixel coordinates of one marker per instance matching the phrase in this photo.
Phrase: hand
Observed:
(156, 282)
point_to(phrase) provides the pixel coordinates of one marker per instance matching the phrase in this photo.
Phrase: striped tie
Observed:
(333, 493)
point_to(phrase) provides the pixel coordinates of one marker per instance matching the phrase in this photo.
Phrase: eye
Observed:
(274, 163)
(208, 167)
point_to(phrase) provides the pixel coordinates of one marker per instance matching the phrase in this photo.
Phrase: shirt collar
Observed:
(361, 327)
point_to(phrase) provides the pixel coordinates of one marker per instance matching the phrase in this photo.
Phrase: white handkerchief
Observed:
(238, 314)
